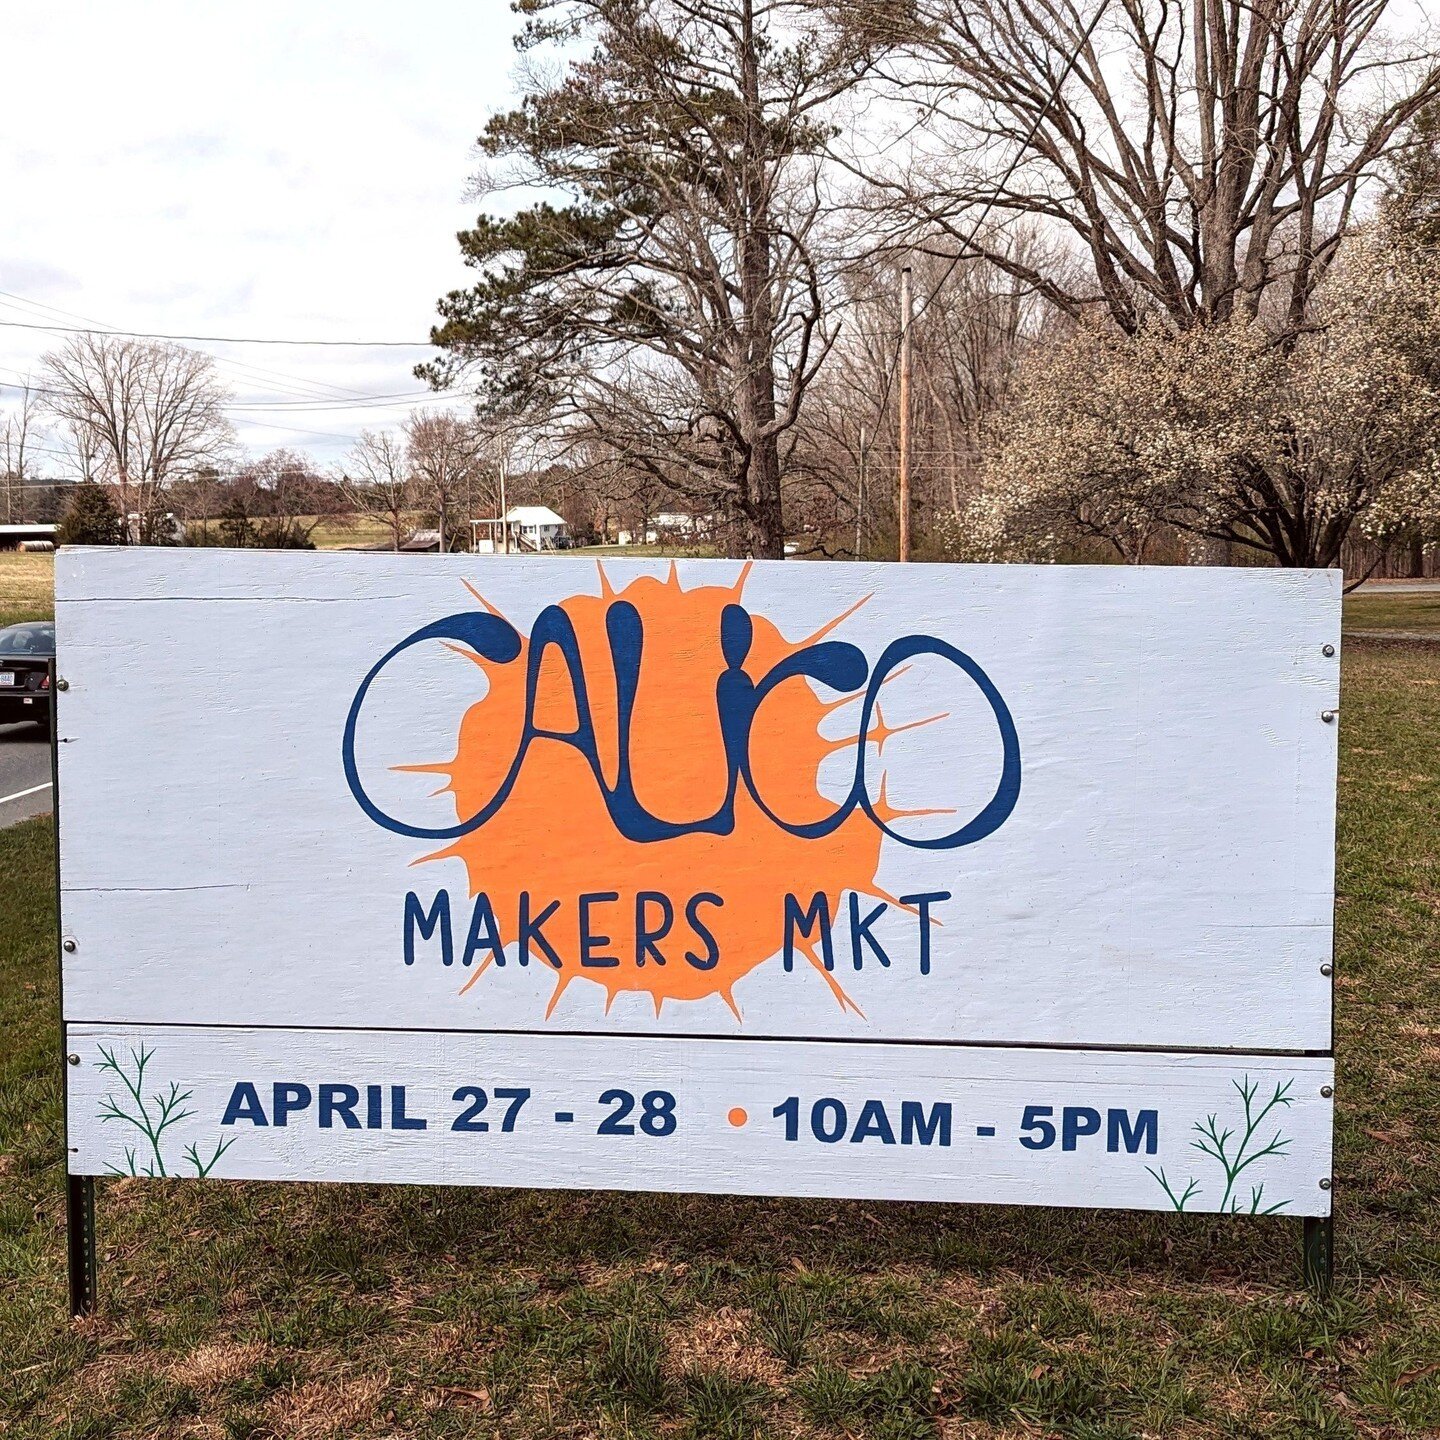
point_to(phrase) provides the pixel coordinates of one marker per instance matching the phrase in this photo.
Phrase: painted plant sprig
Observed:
(152, 1117)
(1230, 1148)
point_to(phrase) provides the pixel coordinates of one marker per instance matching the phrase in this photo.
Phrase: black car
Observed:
(26, 651)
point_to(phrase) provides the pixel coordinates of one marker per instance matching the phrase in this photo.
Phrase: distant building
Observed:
(537, 527)
(20, 537)
(676, 524)
(161, 530)
(669, 527)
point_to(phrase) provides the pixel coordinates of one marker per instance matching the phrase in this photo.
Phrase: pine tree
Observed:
(668, 296)
(237, 530)
(92, 517)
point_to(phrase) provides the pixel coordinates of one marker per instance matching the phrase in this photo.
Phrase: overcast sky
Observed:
(258, 169)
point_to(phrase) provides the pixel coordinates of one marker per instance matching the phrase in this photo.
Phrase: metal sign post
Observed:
(79, 1189)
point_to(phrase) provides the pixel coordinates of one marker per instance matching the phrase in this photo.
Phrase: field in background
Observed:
(266, 1312)
(342, 532)
(27, 583)
(1407, 611)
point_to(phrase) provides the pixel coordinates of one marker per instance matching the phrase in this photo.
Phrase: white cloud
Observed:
(259, 169)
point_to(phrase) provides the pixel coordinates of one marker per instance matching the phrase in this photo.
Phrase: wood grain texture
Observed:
(1165, 878)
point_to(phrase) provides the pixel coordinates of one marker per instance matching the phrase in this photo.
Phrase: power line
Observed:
(308, 389)
(289, 407)
(370, 402)
(220, 339)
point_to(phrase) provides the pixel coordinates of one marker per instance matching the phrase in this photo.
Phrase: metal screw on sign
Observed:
(1328, 716)
(1327, 969)
(62, 684)
(1327, 1091)
(68, 944)
(73, 1059)
(1325, 1184)
(1327, 651)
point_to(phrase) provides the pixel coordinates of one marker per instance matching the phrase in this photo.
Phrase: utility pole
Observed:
(907, 314)
(504, 511)
(860, 496)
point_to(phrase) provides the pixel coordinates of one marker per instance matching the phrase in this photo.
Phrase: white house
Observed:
(536, 527)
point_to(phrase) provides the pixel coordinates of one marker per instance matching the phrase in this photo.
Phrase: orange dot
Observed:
(737, 1117)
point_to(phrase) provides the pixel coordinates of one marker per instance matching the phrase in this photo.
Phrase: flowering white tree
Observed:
(1223, 433)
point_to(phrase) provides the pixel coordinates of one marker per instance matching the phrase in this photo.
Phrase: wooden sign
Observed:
(932, 882)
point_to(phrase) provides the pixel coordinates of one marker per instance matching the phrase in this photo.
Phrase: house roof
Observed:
(533, 515)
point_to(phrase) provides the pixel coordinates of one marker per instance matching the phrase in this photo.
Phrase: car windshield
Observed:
(28, 640)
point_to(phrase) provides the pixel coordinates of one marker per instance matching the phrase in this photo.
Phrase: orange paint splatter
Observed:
(554, 837)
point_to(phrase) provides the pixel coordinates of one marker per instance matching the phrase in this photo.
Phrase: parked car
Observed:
(26, 651)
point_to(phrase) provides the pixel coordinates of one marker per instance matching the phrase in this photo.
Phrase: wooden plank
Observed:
(900, 1122)
(1165, 877)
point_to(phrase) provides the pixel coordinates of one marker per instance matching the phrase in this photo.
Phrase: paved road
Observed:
(24, 772)
(1399, 587)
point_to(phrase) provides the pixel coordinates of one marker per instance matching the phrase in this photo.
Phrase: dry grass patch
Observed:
(723, 1340)
(339, 1406)
(220, 1363)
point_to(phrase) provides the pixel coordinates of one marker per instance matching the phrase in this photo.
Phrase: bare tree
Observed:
(376, 481)
(142, 414)
(449, 464)
(15, 440)
(284, 495)
(973, 325)
(1207, 157)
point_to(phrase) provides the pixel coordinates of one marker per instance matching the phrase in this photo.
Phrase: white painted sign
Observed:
(352, 844)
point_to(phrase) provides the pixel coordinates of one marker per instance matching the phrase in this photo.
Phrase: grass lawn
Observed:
(339, 532)
(271, 1312)
(27, 586)
(1393, 610)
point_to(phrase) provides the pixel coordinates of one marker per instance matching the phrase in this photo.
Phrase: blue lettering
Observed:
(244, 1104)
(804, 922)
(1077, 1121)
(836, 665)
(918, 1128)
(399, 1120)
(590, 941)
(530, 930)
(711, 958)
(338, 1100)
(286, 1098)
(860, 931)
(426, 923)
(922, 904)
(484, 933)
(1146, 1130)
(873, 1124)
(1007, 791)
(645, 936)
